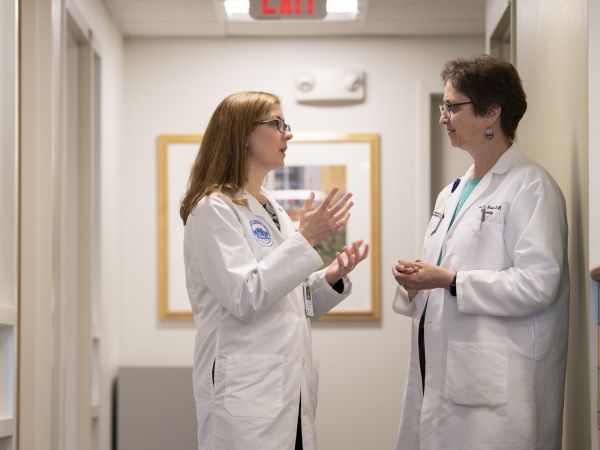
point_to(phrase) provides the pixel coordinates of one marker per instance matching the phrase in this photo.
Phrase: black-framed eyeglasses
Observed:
(281, 125)
(447, 108)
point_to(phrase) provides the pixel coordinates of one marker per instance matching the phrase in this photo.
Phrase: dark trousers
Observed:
(299, 433)
(422, 346)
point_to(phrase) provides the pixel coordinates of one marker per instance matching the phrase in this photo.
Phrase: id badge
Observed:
(308, 305)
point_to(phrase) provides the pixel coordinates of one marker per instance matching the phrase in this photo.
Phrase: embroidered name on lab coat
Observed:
(260, 233)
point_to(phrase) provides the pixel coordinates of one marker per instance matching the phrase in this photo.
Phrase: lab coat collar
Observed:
(258, 209)
(506, 161)
(253, 203)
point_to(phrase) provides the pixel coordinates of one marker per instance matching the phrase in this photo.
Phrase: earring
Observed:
(489, 133)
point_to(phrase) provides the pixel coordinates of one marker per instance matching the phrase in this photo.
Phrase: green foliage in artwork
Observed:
(328, 247)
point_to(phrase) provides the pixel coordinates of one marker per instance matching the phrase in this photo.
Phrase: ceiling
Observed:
(207, 18)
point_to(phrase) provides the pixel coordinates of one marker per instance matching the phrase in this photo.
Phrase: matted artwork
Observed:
(314, 163)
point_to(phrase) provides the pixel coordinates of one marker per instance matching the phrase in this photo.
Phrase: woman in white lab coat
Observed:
(489, 298)
(252, 283)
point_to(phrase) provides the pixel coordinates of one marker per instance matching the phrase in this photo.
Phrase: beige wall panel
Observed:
(552, 60)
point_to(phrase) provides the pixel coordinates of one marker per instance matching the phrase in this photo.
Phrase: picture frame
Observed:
(313, 163)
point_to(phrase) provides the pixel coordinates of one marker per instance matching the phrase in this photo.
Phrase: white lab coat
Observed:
(495, 353)
(244, 279)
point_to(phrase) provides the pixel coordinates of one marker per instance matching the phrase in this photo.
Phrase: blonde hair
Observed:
(221, 162)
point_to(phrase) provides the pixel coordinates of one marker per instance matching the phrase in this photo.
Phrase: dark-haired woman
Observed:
(489, 298)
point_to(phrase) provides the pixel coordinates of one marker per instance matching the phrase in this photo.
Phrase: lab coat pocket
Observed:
(254, 385)
(478, 246)
(476, 374)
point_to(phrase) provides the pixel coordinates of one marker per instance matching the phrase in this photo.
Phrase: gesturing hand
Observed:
(317, 224)
(346, 261)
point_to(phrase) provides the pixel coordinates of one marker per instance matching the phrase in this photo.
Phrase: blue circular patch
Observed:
(260, 233)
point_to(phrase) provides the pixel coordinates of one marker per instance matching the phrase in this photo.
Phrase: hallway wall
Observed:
(43, 30)
(171, 86)
(552, 38)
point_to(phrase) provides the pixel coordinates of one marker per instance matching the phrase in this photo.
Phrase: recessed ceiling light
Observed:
(237, 6)
(342, 6)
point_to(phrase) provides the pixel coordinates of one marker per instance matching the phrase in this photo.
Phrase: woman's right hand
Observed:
(317, 224)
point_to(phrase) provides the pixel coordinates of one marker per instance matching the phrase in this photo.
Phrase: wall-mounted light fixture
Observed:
(322, 86)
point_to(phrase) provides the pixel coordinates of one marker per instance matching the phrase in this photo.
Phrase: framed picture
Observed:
(313, 163)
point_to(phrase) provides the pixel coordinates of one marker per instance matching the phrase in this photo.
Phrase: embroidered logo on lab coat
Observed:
(260, 232)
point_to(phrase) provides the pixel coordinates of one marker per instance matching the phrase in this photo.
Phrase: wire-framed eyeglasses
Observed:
(281, 125)
(447, 108)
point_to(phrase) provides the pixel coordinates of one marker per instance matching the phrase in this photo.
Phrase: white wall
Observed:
(594, 191)
(594, 130)
(552, 39)
(171, 86)
(43, 29)
(109, 45)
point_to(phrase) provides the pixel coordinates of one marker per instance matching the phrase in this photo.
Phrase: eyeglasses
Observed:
(447, 108)
(281, 125)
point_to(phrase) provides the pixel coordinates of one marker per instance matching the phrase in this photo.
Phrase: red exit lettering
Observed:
(288, 9)
(285, 7)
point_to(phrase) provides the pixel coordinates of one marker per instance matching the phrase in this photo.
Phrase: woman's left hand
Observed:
(346, 261)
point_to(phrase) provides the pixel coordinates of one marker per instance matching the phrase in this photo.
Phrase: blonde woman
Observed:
(252, 283)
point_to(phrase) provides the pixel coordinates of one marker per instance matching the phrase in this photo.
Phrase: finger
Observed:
(308, 202)
(340, 261)
(365, 252)
(349, 251)
(348, 257)
(351, 258)
(401, 270)
(342, 222)
(341, 215)
(326, 202)
(357, 244)
(357, 253)
(342, 202)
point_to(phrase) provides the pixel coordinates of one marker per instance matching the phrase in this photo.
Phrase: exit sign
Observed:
(288, 9)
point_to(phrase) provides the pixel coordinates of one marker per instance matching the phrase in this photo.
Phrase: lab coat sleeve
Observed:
(325, 297)
(536, 241)
(244, 285)
(402, 303)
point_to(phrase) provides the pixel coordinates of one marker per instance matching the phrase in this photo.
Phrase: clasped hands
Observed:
(418, 275)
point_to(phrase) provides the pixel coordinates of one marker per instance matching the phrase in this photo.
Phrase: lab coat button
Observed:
(299, 313)
(303, 362)
(305, 411)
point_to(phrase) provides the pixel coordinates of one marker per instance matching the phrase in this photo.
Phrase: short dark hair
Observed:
(488, 82)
